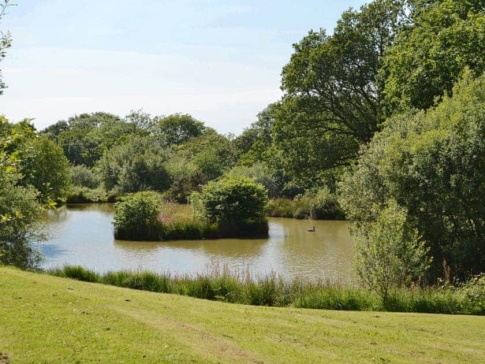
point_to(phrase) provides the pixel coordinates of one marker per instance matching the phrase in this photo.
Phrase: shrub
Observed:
(280, 207)
(79, 194)
(318, 205)
(84, 176)
(389, 254)
(136, 217)
(237, 205)
(474, 294)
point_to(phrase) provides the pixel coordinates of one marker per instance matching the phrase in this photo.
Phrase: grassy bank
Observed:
(50, 319)
(222, 284)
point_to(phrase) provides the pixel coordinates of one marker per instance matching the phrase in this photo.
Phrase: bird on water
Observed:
(312, 230)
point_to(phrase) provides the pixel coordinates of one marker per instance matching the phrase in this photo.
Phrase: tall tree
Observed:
(442, 38)
(254, 144)
(136, 165)
(332, 102)
(177, 129)
(86, 137)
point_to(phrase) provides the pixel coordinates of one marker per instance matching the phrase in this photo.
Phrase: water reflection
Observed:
(83, 234)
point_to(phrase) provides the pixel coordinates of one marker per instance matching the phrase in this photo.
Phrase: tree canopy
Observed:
(433, 165)
(440, 40)
(333, 98)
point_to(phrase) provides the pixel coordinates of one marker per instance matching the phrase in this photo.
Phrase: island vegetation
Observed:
(382, 122)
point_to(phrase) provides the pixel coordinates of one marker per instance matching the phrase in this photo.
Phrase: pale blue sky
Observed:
(219, 61)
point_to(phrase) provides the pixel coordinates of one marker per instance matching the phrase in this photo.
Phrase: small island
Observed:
(231, 207)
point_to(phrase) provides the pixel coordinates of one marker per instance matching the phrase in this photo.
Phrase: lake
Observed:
(83, 235)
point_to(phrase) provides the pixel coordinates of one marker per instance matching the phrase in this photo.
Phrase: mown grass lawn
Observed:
(56, 320)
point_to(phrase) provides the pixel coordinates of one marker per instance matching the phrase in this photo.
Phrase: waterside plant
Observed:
(219, 283)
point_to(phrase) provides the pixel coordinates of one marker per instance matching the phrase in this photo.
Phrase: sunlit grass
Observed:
(57, 320)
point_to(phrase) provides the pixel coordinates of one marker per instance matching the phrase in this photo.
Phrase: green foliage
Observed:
(271, 179)
(79, 194)
(19, 207)
(389, 254)
(45, 167)
(237, 205)
(84, 177)
(88, 136)
(136, 165)
(196, 162)
(280, 207)
(474, 294)
(433, 165)
(441, 39)
(318, 205)
(332, 102)
(254, 144)
(136, 217)
(178, 129)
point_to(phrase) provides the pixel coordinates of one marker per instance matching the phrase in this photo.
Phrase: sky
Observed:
(219, 61)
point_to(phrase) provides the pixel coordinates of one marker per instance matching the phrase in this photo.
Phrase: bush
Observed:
(319, 205)
(136, 217)
(237, 205)
(79, 194)
(280, 207)
(84, 176)
(389, 254)
(474, 294)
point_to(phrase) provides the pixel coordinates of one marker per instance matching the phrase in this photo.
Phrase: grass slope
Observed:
(50, 319)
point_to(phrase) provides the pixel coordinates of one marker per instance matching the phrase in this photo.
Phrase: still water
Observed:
(83, 235)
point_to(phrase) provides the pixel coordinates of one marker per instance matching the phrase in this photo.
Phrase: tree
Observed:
(237, 205)
(53, 131)
(198, 161)
(433, 165)
(19, 207)
(333, 97)
(45, 167)
(136, 165)
(255, 143)
(88, 136)
(142, 120)
(177, 129)
(389, 254)
(5, 39)
(442, 38)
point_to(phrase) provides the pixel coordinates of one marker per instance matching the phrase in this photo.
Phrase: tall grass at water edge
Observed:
(221, 284)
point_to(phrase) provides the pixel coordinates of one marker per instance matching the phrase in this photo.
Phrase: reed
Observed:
(219, 283)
